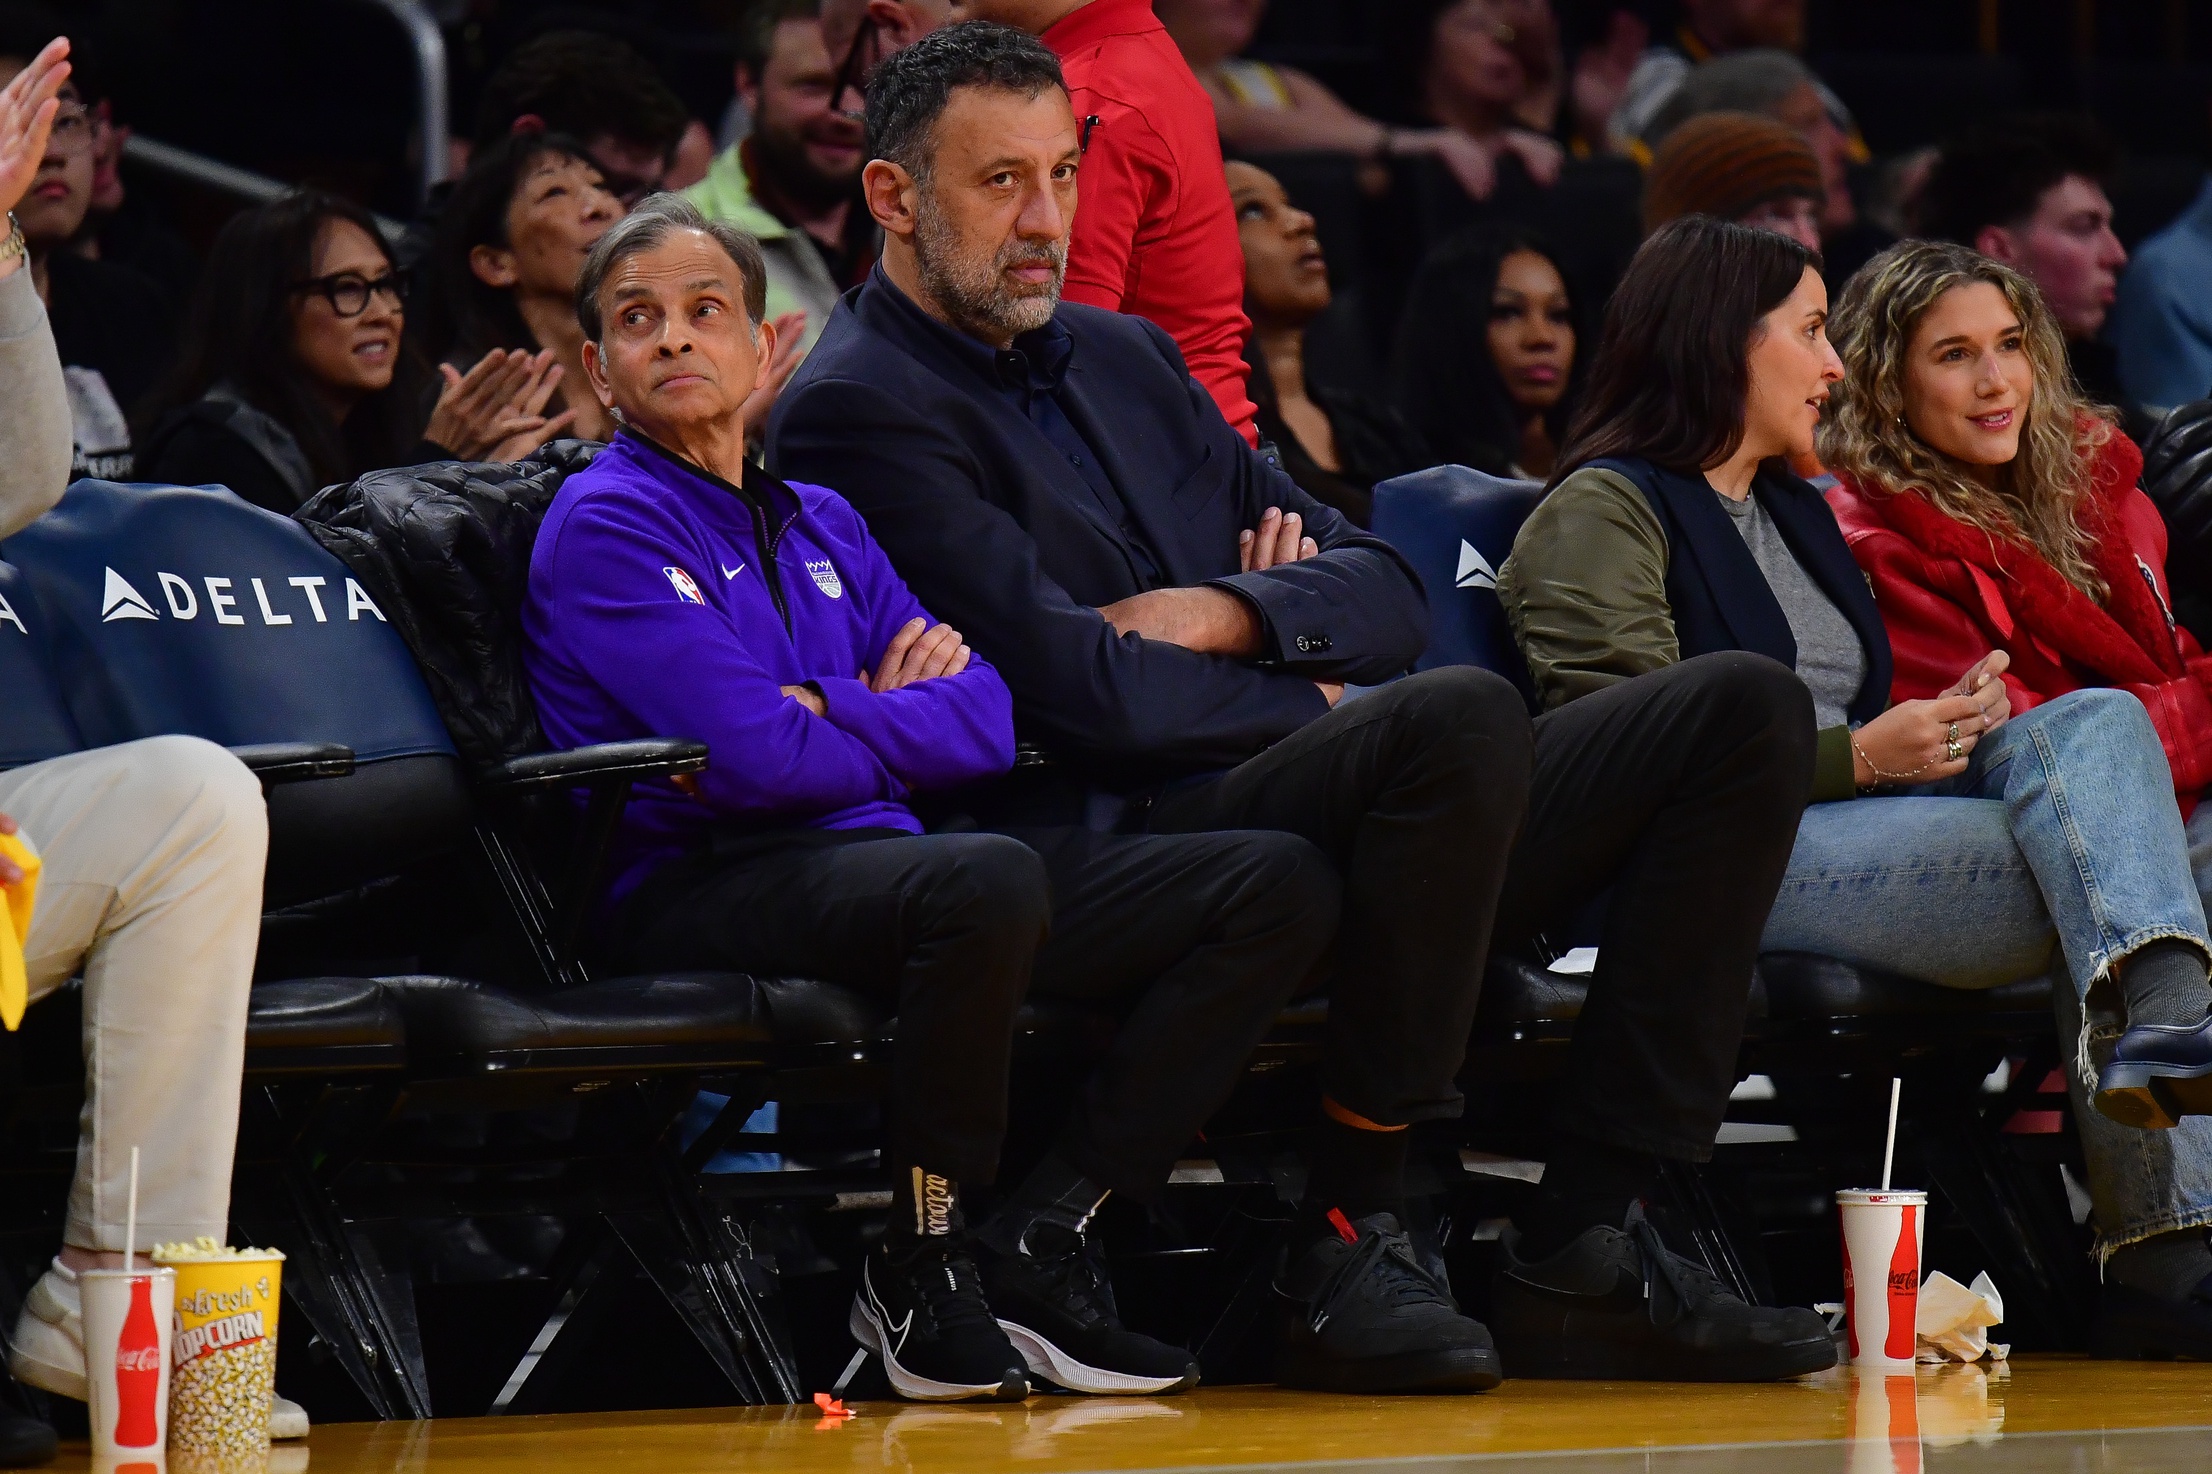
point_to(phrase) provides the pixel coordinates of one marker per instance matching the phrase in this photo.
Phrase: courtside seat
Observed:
(632, 1027)
(1801, 985)
(315, 1026)
(1456, 526)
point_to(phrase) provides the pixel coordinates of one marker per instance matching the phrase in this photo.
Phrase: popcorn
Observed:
(223, 1358)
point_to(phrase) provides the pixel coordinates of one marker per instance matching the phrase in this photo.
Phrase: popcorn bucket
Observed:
(126, 1346)
(223, 1354)
(1881, 1274)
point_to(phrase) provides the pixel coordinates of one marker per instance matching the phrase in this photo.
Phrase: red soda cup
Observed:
(1881, 1274)
(127, 1315)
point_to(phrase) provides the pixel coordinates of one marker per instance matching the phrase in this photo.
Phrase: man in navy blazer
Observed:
(1178, 621)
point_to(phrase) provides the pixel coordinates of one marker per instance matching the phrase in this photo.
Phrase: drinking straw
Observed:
(130, 1214)
(1889, 1147)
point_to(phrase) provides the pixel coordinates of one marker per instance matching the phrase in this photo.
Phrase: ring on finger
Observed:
(1953, 750)
(1953, 734)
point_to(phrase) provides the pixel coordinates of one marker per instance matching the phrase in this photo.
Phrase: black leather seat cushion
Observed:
(676, 1021)
(1800, 985)
(322, 1025)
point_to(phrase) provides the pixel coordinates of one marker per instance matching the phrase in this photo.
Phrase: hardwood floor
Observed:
(2040, 1413)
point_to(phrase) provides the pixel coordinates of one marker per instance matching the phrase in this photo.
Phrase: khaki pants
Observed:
(152, 855)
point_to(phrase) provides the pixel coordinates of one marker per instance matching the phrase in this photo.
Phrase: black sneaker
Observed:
(24, 1442)
(1361, 1314)
(1618, 1305)
(1056, 1305)
(921, 1309)
(2136, 1325)
(2158, 1073)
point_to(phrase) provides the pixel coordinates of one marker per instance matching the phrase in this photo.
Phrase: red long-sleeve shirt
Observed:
(1154, 232)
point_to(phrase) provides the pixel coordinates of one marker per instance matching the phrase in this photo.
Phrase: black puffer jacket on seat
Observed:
(445, 551)
(2177, 476)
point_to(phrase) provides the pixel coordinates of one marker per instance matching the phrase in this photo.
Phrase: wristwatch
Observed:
(13, 246)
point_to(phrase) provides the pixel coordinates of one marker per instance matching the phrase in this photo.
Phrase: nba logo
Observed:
(686, 590)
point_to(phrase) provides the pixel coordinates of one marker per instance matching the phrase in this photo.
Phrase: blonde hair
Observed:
(2038, 495)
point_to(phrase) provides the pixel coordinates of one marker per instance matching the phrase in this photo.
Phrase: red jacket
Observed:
(1154, 233)
(1950, 594)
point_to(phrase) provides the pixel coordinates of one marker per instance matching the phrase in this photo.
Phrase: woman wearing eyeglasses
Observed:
(294, 372)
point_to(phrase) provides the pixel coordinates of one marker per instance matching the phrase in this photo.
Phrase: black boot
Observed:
(1361, 1314)
(1617, 1305)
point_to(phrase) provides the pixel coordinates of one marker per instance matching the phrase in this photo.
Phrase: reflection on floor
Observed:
(2037, 1414)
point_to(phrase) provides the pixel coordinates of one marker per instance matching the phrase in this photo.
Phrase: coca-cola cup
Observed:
(1881, 1274)
(127, 1315)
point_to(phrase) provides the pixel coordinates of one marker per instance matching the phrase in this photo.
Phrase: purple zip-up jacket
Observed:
(666, 602)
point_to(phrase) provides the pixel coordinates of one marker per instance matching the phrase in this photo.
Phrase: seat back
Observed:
(186, 610)
(34, 720)
(1456, 526)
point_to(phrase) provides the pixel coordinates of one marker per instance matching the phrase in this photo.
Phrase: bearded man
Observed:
(1178, 622)
(793, 184)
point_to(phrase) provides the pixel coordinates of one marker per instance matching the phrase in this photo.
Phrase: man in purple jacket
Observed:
(676, 590)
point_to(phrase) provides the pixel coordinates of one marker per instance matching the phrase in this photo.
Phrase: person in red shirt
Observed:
(1154, 231)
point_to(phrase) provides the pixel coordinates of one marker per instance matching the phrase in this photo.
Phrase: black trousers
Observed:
(1457, 824)
(1200, 938)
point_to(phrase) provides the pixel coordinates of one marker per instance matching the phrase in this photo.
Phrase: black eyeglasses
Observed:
(852, 72)
(348, 292)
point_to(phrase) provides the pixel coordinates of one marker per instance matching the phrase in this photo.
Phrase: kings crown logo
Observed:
(825, 577)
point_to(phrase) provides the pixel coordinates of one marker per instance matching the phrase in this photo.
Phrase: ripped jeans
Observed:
(2062, 831)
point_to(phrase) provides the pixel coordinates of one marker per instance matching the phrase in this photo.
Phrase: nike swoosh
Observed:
(733, 572)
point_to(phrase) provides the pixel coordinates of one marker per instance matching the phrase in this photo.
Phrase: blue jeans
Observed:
(2062, 835)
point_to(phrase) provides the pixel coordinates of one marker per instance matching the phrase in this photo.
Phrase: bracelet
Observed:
(12, 244)
(1888, 777)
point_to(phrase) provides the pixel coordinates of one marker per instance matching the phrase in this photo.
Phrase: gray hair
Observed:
(1753, 81)
(656, 218)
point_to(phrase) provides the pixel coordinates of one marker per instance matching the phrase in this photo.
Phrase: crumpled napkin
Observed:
(1954, 1319)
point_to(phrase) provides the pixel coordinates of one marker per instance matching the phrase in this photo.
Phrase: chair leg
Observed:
(1686, 1191)
(362, 1309)
(2026, 1231)
(588, 1288)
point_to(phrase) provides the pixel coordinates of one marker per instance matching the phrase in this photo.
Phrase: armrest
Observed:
(294, 762)
(602, 762)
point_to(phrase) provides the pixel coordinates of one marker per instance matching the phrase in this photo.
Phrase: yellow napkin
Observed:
(15, 931)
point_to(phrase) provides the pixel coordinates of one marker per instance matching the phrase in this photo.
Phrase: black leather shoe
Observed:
(1618, 1305)
(2135, 1325)
(1056, 1304)
(1360, 1313)
(24, 1442)
(2158, 1073)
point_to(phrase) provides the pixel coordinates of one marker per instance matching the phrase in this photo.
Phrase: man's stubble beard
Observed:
(973, 294)
(783, 157)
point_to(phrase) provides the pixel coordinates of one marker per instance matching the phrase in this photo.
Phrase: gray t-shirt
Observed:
(1830, 660)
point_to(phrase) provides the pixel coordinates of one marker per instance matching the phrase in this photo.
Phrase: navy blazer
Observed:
(1720, 598)
(999, 537)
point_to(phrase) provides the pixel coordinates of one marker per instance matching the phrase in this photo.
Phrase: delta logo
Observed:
(120, 599)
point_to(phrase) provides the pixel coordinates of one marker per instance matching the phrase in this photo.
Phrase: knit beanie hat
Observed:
(1725, 164)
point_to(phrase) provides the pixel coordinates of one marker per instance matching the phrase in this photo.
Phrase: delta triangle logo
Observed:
(118, 600)
(1475, 571)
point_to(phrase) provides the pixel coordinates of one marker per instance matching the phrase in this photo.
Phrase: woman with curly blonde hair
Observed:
(1990, 504)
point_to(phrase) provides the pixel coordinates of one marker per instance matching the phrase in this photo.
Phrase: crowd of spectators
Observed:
(853, 308)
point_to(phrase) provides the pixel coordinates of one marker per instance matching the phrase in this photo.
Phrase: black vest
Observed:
(1720, 599)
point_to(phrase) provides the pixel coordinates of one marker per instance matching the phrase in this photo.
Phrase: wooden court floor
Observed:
(2037, 1414)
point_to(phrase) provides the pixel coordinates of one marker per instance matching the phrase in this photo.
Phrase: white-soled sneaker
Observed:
(287, 1419)
(47, 1350)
